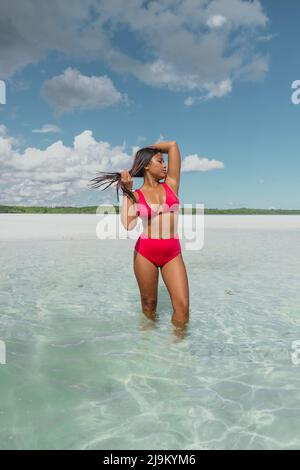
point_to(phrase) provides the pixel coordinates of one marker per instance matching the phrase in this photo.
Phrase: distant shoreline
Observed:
(115, 210)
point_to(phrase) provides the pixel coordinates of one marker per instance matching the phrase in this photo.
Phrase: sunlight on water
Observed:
(85, 370)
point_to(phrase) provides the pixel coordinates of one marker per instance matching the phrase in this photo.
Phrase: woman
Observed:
(158, 246)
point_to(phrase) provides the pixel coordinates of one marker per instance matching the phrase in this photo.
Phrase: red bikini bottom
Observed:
(158, 250)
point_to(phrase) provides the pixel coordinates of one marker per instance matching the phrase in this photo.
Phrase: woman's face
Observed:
(158, 166)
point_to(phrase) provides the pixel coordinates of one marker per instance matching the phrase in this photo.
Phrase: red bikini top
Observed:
(171, 204)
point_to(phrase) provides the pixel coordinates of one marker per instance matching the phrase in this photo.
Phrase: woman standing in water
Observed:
(158, 245)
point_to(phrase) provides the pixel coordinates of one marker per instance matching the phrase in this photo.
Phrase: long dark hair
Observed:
(141, 159)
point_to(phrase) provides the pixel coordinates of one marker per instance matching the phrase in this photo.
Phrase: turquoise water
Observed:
(86, 370)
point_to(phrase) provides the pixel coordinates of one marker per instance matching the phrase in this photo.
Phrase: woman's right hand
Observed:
(126, 180)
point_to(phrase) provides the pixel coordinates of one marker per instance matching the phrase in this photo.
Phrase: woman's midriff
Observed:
(162, 225)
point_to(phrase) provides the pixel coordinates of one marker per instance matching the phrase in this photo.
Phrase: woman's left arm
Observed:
(174, 163)
(174, 167)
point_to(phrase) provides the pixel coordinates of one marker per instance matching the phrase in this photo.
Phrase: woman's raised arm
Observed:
(174, 163)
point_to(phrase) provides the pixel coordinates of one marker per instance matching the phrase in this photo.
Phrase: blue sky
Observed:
(86, 87)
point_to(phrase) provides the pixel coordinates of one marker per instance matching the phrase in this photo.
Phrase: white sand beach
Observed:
(87, 226)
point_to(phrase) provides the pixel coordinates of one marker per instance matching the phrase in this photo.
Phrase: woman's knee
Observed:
(181, 314)
(149, 303)
(181, 306)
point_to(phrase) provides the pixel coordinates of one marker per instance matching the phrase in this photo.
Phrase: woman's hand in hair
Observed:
(126, 180)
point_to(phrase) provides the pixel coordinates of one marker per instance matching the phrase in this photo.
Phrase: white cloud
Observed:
(47, 128)
(180, 51)
(44, 177)
(6, 142)
(2, 130)
(73, 90)
(189, 101)
(217, 89)
(216, 21)
(29, 30)
(195, 163)
(267, 37)
(41, 177)
(254, 70)
(186, 55)
(213, 90)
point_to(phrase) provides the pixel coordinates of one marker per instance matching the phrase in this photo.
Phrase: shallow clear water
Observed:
(86, 370)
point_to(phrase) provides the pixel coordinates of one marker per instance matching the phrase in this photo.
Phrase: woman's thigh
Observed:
(175, 278)
(146, 274)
